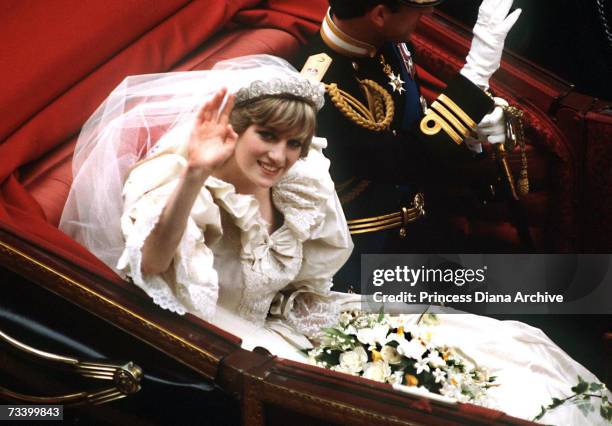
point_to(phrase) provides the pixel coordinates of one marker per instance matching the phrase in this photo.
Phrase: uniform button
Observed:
(394, 132)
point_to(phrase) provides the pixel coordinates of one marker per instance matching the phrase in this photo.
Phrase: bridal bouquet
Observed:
(388, 348)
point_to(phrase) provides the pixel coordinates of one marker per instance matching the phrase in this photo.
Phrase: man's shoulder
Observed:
(316, 46)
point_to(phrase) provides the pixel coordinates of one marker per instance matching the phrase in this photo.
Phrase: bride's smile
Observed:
(262, 158)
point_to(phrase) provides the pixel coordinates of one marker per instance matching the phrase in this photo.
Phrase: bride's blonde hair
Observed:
(287, 116)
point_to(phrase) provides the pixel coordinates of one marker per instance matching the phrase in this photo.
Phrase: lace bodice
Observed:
(227, 255)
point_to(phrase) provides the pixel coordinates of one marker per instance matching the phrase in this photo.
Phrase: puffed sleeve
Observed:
(191, 282)
(305, 304)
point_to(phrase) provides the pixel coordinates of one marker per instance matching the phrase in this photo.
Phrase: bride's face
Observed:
(264, 156)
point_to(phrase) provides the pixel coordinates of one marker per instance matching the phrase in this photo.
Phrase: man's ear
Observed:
(378, 16)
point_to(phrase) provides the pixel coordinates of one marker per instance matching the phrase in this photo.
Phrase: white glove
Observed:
(492, 128)
(490, 33)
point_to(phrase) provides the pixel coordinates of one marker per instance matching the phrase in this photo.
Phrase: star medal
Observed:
(395, 80)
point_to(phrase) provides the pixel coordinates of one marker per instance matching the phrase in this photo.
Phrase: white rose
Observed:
(378, 370)
(411, 349)
(354, 361)
(390, 355)
(372, 336)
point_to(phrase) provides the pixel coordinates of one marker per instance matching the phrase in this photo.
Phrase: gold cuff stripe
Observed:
(451, 118)
(458, 111)
(432, 123)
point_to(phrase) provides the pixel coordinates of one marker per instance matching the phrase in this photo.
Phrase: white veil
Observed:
(133, 119)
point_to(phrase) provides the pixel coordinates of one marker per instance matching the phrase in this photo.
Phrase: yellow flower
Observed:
(400, 331)
(411, 380)
(376, 356)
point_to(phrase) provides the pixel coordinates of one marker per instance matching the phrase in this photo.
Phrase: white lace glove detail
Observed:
(492, 128)
(490, 33)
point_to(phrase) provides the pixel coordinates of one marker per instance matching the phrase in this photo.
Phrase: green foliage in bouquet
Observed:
(393, 349)
(584, 395)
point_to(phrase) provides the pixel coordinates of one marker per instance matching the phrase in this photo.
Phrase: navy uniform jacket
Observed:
(378, 172)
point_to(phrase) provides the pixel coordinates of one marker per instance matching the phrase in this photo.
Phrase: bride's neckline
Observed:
(278, 220)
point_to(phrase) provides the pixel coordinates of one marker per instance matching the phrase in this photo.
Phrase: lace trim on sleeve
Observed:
(191, 284)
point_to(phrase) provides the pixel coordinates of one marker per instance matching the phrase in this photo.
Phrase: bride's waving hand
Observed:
(213, 140)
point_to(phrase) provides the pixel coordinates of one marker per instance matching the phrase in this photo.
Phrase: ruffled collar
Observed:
(299, 198)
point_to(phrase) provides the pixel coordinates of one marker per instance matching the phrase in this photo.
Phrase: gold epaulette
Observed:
(444, 114)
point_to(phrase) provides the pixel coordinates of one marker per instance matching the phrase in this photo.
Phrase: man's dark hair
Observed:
(346, 9)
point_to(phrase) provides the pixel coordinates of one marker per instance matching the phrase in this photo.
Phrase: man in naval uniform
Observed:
(384, 143)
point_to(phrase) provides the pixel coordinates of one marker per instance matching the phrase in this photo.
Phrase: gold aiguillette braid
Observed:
(377, 117)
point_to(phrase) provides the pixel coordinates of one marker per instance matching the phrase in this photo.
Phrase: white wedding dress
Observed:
(273, 290)
(270, 290)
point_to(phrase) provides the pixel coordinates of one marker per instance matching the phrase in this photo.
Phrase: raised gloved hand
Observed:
(492, 128)
(490, 33)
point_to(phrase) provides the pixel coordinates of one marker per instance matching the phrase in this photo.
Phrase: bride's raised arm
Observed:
(211, 143)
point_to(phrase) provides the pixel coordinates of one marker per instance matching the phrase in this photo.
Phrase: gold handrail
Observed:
(125, 377)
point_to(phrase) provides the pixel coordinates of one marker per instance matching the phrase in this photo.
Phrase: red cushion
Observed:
(48, 47)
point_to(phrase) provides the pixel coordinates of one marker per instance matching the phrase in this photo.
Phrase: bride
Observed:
(227, 211)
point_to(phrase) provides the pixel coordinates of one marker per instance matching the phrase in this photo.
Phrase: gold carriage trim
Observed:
(399, 219)
(446, 115)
